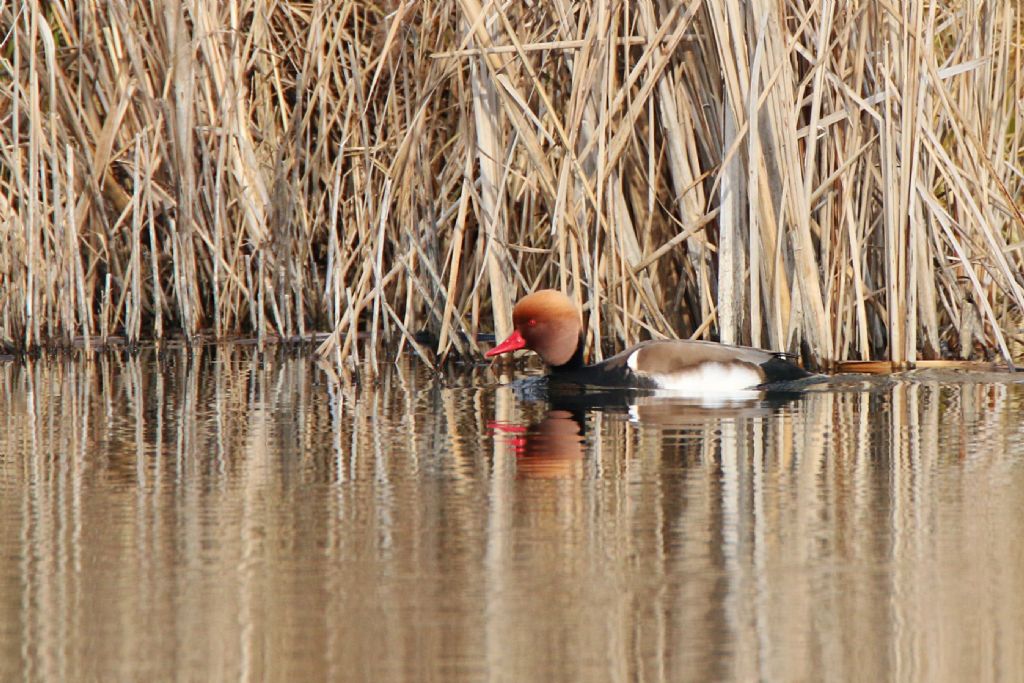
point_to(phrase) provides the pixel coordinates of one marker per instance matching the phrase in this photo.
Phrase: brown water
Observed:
(219, 515)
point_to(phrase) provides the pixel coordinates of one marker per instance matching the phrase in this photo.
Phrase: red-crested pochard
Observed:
(549, 324)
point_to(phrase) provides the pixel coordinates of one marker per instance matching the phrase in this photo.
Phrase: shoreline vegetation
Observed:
(842, 180)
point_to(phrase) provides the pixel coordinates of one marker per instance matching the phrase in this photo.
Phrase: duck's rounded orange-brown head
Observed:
(546, 322)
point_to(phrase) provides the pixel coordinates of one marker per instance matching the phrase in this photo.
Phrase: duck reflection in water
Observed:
(551, 448)
(554, 446)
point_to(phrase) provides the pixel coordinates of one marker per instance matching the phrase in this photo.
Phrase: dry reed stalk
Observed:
(810, 175)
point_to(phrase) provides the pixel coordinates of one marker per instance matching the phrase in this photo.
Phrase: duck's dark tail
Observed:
(782, 374)
(779, 368)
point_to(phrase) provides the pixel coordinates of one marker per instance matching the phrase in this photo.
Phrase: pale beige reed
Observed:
(845, 178)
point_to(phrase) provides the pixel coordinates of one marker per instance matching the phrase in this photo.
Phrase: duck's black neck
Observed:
(608, 383)
(572, 365)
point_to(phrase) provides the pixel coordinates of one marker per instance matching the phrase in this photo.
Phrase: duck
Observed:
(548, 323)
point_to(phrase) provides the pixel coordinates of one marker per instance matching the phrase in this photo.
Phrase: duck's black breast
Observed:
(613, 373)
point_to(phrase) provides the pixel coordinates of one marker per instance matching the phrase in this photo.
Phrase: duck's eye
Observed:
(532, 322)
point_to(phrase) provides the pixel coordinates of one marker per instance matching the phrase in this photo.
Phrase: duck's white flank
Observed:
(705, 378)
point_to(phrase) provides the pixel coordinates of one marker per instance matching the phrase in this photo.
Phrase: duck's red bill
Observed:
(514, 342)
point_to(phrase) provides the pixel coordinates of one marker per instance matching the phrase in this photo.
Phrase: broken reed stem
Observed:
(840, 180)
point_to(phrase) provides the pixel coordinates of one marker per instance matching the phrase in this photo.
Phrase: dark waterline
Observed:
(218, 514)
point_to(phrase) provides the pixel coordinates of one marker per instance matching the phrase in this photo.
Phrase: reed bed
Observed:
(842, 179)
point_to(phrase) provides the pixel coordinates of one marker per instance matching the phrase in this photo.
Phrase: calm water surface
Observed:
(219, 514)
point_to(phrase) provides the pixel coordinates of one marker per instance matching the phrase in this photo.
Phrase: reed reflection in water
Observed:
(219, 513)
